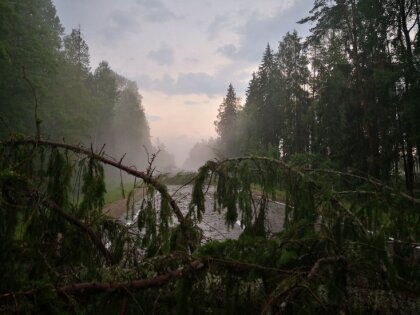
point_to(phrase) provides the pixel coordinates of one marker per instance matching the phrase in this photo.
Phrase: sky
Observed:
(183, 53)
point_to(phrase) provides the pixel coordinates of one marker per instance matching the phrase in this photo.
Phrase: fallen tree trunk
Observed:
(95, 287)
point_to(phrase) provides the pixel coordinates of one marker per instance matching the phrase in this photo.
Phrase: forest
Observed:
(329, 128)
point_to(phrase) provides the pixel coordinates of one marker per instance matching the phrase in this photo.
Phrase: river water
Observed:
(213, 223)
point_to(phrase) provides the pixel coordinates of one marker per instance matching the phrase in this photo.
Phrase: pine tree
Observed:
(76, 50)
(73, 98)
(105, 90)
(226, 123)
(268, 91)
(130, 129)
(294, 105)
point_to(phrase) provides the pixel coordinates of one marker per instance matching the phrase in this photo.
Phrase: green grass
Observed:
(180, 178)
(114, 193)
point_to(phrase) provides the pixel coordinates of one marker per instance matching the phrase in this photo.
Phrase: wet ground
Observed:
(213, 224)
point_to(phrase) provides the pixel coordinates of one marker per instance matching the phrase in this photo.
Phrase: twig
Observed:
(122, 158)
(101, 151)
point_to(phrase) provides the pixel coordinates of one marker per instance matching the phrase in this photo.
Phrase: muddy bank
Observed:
(118, 209)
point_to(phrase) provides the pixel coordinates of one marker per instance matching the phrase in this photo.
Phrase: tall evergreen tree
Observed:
(226, 123)
(130, 129)
(268, 89)
(105, 90)
(73, 98)
(76, 50)
(294, 104)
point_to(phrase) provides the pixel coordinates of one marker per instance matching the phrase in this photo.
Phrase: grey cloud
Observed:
(186, 83)
(192, 83)
(192, 60)
(217, 25)
(161, 16)
(122, 22)
(153, 4)
(257, 32)
(156, 11)
(163, 56)
(144, 81)
(228, 50)
(122, 19)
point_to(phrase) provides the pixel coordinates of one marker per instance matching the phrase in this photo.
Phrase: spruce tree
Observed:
(226, 123)
(294, 104)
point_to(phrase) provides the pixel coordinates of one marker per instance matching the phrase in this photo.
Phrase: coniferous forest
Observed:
(329, 128)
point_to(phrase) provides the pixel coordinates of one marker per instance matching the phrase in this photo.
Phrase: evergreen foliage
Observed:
(350, 241)
(227, 120)
(39, 62)
(344, 235)
(346, 93)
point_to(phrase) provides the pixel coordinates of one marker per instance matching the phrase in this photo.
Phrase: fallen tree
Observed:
(345, 236)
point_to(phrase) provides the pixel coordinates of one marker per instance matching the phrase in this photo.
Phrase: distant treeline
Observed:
(348, 93)
(42, 66)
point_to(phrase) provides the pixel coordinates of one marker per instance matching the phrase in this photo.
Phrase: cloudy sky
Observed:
(183, 53)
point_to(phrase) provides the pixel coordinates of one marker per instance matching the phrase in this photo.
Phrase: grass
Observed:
(180, 178)
(115, 193)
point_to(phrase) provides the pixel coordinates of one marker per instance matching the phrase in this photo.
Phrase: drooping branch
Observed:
(214, 167)
(101, 158)
(95, 287)
(302, 173)
(83, 226)
(371, 181)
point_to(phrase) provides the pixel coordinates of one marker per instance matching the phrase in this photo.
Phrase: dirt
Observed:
(118, 209)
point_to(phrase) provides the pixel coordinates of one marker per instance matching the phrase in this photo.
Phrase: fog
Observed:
(182, 79)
